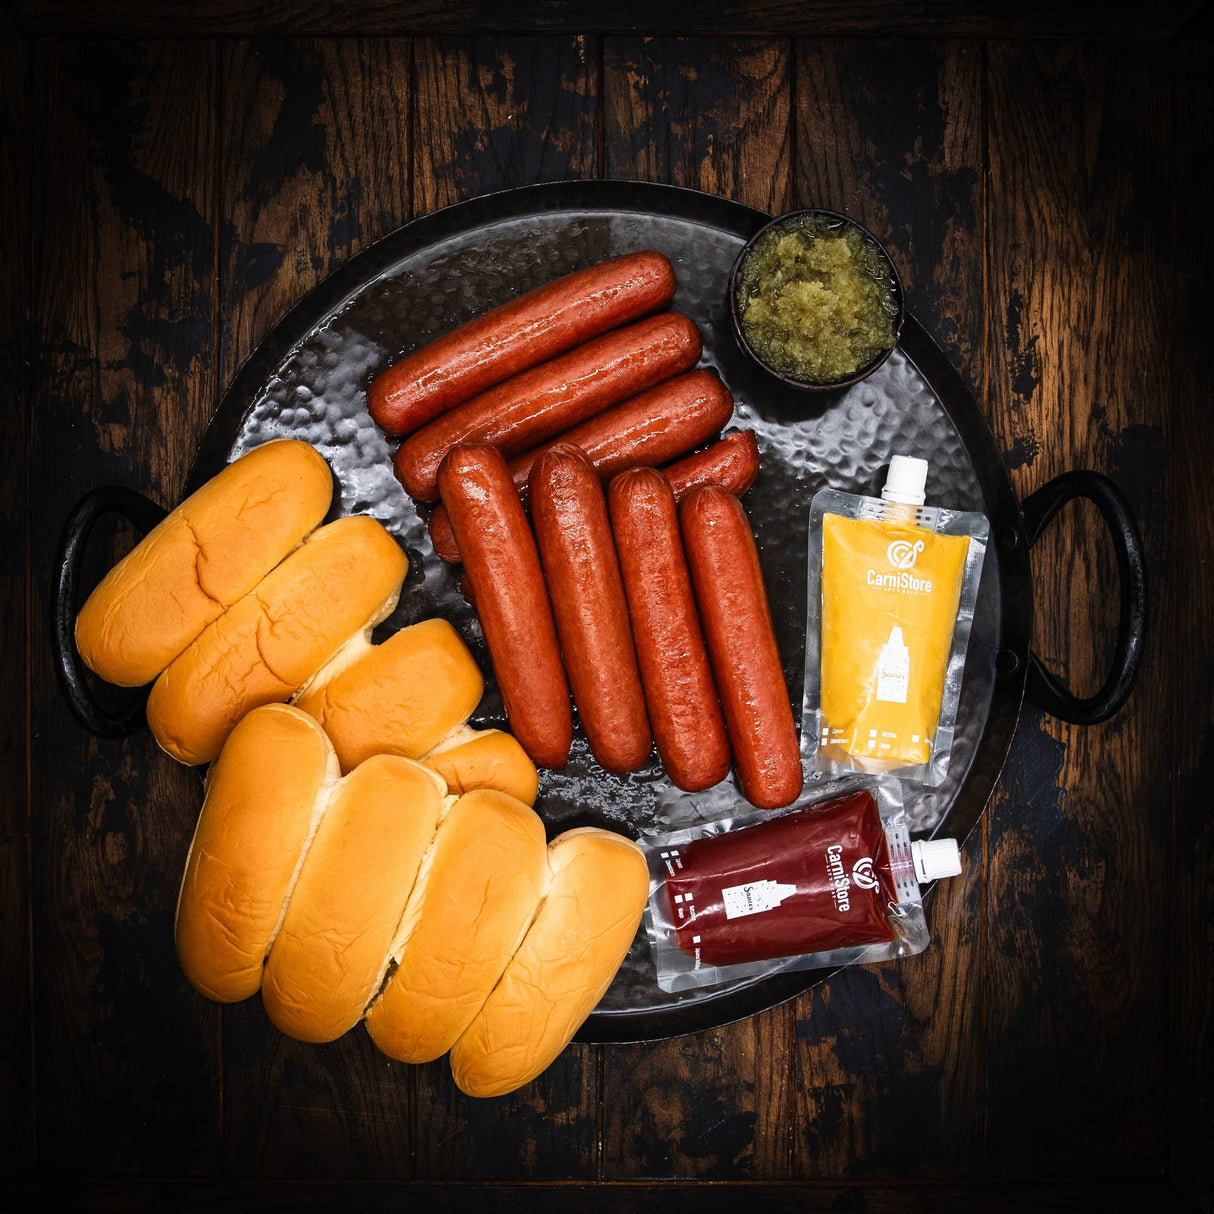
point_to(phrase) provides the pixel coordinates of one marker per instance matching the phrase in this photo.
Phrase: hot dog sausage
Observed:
(518, 335)
(578, 554)
(503, 568)
(729, 590)
(548, 400)
(683, 707)
(733, 464)
(651, 429)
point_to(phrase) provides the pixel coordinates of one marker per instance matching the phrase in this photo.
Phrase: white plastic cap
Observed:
(935, 858)
(906, 481)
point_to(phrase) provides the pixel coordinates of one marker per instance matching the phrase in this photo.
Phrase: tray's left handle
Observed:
(143, 514)
(1047, 690)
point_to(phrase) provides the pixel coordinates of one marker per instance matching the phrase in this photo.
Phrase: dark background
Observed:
(173, 176)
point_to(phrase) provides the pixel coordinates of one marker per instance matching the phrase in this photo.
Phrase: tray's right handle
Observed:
(1047, 690)
(143, 514)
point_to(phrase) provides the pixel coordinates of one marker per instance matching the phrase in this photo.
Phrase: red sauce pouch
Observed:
(833, 880)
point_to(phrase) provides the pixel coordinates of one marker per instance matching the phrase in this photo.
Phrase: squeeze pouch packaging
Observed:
(892, 588)
(831, 881)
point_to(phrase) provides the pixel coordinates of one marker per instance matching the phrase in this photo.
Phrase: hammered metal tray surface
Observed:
(308, 380)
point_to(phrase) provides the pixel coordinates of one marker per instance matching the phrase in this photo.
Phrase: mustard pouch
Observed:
(892, 587)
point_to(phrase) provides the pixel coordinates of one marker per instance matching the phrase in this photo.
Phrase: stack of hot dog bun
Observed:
(542, 402)
(443, 919)
(238, 599)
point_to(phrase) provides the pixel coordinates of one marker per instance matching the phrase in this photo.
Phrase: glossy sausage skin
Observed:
(550, 399)
(571, 525)
(503, 568)
(517, 336)
(728, 582)
(683, 707)
(651, 429)
(732, 464)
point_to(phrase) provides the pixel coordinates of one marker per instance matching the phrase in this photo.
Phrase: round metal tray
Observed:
(308, 379)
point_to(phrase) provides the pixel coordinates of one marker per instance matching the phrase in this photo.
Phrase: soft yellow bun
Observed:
(209, 552)
(479, 889)
(485, 758)
(402, 697)
(342, 580)
(333, 949)
(566, 961)
(265, 795)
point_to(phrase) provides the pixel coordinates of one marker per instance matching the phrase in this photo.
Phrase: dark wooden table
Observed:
(172, 180)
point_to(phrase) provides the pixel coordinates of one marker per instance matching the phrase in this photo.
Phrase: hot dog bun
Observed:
(265, 796)
(342, 580)
(480, 886)
(401, 697)
(598, 888)
(332, 951)
(485, 758)
(207, 554)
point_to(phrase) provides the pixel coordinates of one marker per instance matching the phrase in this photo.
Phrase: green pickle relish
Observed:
(816, 299)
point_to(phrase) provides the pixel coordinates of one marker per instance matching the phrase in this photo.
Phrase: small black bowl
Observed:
(735, 319)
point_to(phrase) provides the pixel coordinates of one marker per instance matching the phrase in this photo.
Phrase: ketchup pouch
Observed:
(831, 881)
(891, 595)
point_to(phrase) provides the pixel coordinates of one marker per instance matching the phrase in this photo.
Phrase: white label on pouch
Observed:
(893, 669)
(754, 897)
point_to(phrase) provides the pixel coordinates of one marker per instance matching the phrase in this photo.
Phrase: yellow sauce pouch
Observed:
(892, 588)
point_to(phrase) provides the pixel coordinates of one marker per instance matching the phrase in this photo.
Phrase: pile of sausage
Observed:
(648, 597)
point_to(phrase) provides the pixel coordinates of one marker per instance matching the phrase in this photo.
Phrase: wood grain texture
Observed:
(712, 114)
(1127, 1198)
(315, 166)
(1191, 1056)
(891, 133)
(122, 357)
(503, 112)
(493, 114)
(706, 114)
(994, 18)
(547, 1130)
(17, 1060)
(1080, 830)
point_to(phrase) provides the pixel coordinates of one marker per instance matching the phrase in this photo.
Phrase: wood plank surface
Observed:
(1191, 983)
(1144, 1197)
(711, 114)
(16, 1023)
(122, 315)
(891, 134)
(1041, 199)
(976, 18)
(1079, 252)
(493, 114)
(316, 165)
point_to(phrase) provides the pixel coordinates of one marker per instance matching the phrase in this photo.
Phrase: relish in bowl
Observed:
(816, 300)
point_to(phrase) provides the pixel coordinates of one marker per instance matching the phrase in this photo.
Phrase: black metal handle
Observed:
(143, 514)
(1046, 690)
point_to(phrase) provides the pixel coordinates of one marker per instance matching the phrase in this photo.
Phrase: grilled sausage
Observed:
(733, 464)
(550, 399)
(517, 336)
(683, 707)
(728, 582)
(503, 568)
(651, 429)
(578, 554)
